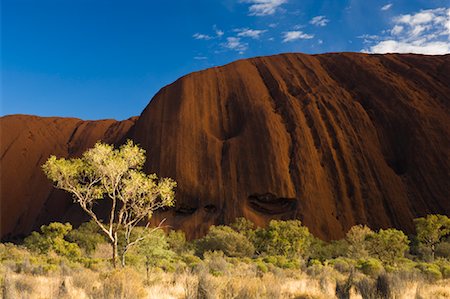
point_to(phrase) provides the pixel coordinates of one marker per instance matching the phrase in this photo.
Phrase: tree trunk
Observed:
(122, 259)
(114, 253)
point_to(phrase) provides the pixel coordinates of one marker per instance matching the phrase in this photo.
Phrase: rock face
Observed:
(331, 139)
(334, 140)
(27, 196)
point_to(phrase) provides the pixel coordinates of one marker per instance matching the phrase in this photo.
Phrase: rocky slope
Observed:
(331, 139)
(27, 196)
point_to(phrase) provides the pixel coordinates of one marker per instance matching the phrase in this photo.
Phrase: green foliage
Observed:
(244, 227)
(227, 240)
(152, 251)
(261, 266)
(282, 262)
(443, 250)
(357, 241)
(216, 263)
(87, 236)
(388, 245)
(52, 238)
(445, 270)
(115, 174)
(431, 230)
(430, 270)
(288, 238)
(177, 241)
(322, 250)
(343, 264)
(370, 266)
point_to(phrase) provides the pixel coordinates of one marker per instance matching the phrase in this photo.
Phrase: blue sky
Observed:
(96, 59)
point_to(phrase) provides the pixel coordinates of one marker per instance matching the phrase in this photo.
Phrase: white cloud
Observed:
(387, 7)
(393, 46)
(202, 36)
(297, 27)
(218, 32)
(425, 32)
(396, 30)
(290, 36)
(263, 7)
(234, 43)
(319, 21)
(246, 32)
(200, 57)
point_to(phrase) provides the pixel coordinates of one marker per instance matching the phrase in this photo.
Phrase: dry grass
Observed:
(127, 283)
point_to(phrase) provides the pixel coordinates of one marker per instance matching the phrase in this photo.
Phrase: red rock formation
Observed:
(331, 139)
(27, 196)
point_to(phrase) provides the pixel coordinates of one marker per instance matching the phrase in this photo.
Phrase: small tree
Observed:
(288, 238)
(53, 238)
(388, 245)
(115, 174)
(431, 230)
(357, 241)
(224, 238)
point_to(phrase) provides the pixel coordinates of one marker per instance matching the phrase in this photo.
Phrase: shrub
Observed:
(388, 245)
(87, 236)
(87, 280)
(287, 238)
(431, 230)
(123, 283)
(227, 240)
(370, 266)
(261, 267)
(190, 260)
(244, 227)
(342, 264)
(443, 250)
(357, 241)
(445, 270)
(431, 271)
(52, 238)
(216, 263)
(177, 241)
(367, 288)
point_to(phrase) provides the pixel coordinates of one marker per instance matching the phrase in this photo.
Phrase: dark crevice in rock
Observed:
(210, 208)
(271, 204)
(185, 210)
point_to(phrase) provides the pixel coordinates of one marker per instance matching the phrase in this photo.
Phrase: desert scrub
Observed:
(342, 264)
(124, 283)
(431, 271)
(372, 267)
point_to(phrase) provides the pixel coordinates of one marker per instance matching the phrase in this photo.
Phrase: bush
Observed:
(370, 266)
(443, 250)
(388, 245)
(52, 238)
(227, 240)
(177, 241)
(261, 267)
(342, 264)
(357, 241)
(445, 270)
(285, 238)
(123, 283)
(88, 236)
(216, 263)
(431, 271)
(244, 227)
